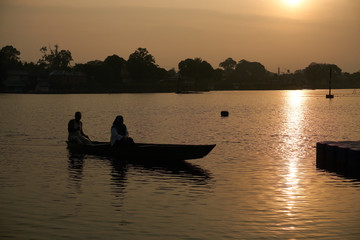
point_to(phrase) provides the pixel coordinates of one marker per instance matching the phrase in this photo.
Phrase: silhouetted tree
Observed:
(171, 72)
(115, 61)
(160, 73)
(317, 75)
(97, 74)
(141, 64)
(354, 80)
(218, 74)
(10, 54)
(198, 70)
(108, 75)
(54, 59)
(228, 65)
(117, 66)
(250, 73)
(9, 60)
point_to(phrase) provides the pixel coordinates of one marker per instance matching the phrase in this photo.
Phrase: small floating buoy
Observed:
(224, 113)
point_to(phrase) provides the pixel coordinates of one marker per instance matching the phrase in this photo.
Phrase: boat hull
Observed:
(143, 151)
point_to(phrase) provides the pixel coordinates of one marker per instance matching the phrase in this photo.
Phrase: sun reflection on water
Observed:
(291, 154)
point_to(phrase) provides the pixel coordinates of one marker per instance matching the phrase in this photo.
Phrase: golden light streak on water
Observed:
(292, 130)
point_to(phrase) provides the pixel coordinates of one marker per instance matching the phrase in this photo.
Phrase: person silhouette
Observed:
(119, 133)
(75, 131)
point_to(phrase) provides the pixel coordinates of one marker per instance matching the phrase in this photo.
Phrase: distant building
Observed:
(16, 82)
(42, 85)
(64, 76)
(65, 81)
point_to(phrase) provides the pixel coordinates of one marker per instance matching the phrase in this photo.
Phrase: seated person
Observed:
(75, 130)
(119, 133)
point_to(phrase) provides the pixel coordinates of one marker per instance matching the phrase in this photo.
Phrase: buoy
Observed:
(224, 113)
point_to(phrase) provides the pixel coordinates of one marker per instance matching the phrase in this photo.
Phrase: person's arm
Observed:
(81, 131)
(126, 132)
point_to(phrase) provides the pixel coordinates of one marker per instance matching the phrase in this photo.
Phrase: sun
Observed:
(293, 2)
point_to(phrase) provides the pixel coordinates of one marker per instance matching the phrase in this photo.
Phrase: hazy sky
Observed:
(277, 33)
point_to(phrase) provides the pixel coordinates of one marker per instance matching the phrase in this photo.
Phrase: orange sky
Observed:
(272, 32)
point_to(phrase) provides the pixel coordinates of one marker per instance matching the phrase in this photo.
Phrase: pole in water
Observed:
(330, 95)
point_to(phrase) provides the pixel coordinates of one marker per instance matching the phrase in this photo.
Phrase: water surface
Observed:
(260, 181)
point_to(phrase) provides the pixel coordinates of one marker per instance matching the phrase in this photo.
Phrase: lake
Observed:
(259, 182)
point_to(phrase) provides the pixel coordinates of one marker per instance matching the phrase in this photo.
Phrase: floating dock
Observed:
(340, 157)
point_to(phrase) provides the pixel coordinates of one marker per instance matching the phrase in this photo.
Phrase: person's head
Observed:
(77, 116)
(119, 120)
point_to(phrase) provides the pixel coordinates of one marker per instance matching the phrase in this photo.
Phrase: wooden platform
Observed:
(340, 157)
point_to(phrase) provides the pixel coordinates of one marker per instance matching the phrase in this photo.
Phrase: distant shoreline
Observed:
(190, 92)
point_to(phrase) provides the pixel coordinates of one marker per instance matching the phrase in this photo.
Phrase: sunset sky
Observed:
(289, 34)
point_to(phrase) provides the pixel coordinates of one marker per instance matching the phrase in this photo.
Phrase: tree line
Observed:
(140, 73)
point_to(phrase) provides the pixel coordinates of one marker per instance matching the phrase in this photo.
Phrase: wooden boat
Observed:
(143, 151)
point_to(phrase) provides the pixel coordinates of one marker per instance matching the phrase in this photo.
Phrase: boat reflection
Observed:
(123, 174)
(177, 169)
(75, 166)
